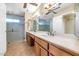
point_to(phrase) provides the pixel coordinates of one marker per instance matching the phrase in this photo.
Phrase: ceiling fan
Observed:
(25, 4)
(53, 9)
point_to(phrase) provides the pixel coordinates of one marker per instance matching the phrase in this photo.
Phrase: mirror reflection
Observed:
(61, 22)
(69, 23)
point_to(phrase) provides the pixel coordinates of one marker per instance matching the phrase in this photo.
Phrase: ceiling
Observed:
(63, 7)
(17, 8)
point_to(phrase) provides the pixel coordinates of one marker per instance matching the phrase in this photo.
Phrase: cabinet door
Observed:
(44, 52)
(30, 41)
(57, 52)
(43, 43)
(50, 54)
(32, 36)
(37, 49)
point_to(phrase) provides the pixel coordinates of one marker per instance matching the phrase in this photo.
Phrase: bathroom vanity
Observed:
(59, 45)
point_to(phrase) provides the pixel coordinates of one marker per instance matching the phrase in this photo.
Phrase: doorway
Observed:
(69, 23)
(15, 29)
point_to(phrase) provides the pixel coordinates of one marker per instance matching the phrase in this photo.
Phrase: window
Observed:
(44, 25)
(13, 20)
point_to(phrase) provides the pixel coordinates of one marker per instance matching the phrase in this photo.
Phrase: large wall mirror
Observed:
(63, 24)
(68, 23)
(42, 25)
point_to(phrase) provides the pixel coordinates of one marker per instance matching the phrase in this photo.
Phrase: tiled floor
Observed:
(20, 49)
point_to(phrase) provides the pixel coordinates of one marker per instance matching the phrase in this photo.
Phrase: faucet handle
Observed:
(48, 33)
(54, 32)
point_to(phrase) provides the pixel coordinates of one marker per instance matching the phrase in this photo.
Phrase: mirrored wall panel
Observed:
(43, 25)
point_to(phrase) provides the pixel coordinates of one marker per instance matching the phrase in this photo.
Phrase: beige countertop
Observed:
(67, 42)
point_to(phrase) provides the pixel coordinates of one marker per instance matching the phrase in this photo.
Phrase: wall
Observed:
(2, 29)
(27, 20)
(58, 24)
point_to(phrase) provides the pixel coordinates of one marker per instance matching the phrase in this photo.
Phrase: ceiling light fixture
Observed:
(47, 6)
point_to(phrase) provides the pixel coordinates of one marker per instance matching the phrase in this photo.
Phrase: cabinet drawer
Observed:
(57, 52)
(44, 44)
(37, 49)
(37, 40)
(32, 36)
(44, 52)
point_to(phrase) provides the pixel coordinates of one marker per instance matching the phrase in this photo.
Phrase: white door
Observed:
(15, 32)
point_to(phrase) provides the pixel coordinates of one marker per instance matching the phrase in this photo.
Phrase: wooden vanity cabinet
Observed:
(40, 51)
(32, 36)
(29, 39)
(45, 48)
(50, 54)
(43, 52)
(42, 43)
(37, 49)
(57, 52)
(42, 47)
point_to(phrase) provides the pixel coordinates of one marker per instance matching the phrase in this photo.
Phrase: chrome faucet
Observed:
(52, 33)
